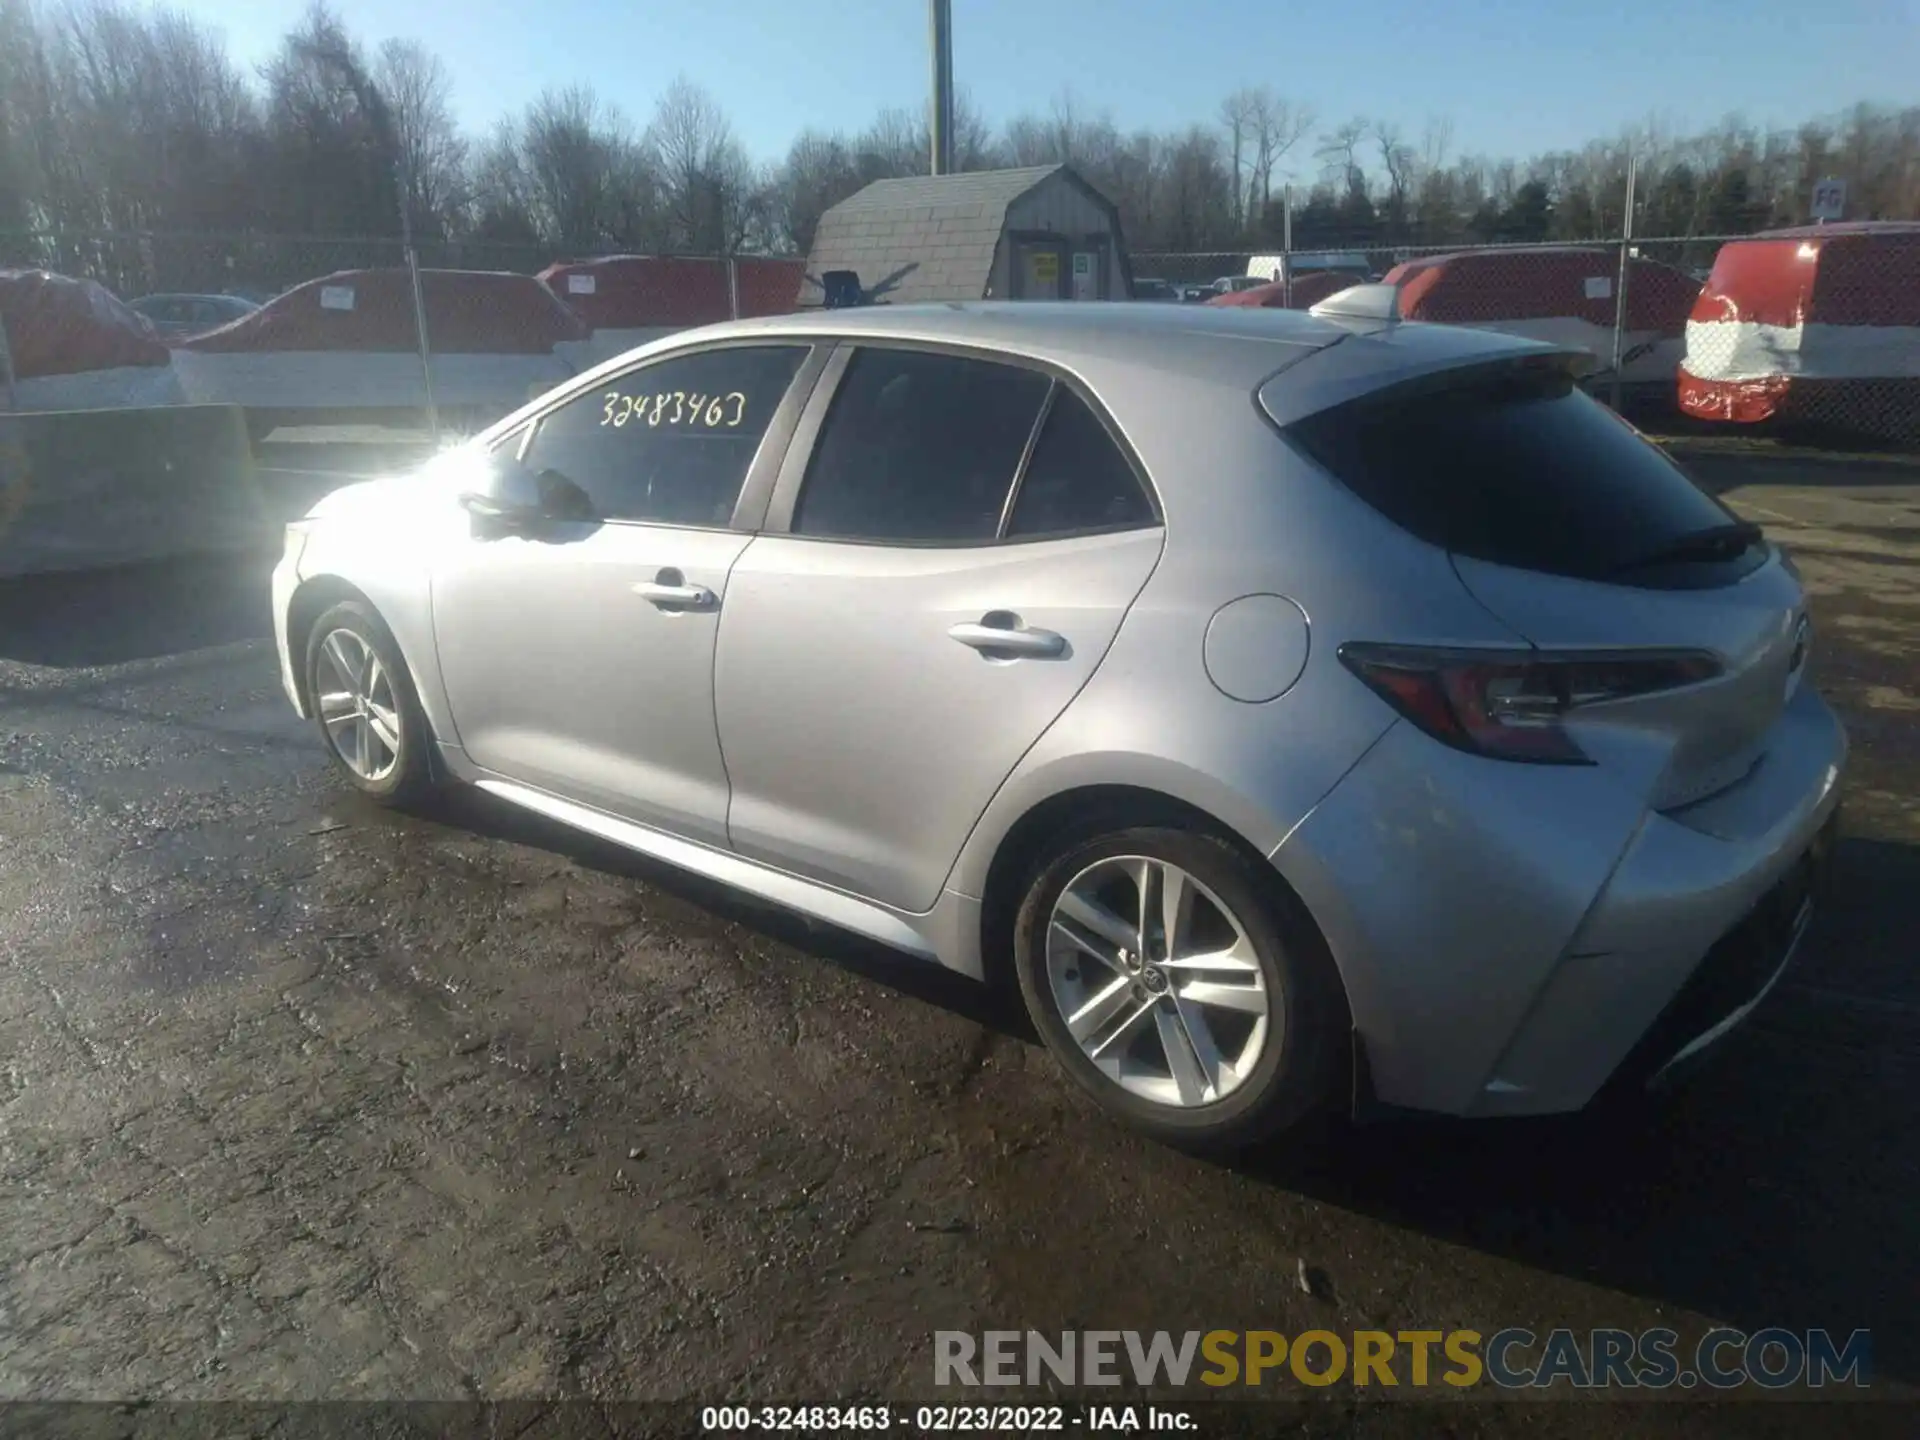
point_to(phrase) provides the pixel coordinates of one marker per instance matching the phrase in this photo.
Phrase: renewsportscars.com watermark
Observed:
(1512, 1359)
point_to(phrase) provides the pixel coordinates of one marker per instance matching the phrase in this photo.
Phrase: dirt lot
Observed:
(300, 1099)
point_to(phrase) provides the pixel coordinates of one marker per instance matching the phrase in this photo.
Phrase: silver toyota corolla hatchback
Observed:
(1303, 709)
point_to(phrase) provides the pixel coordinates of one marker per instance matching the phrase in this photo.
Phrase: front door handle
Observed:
(669, 591)
(1002, 637)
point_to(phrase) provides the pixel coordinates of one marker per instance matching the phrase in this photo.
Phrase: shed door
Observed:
(1086, 275)
(1041, 272)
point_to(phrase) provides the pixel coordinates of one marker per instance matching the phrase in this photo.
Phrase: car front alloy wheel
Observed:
(357, 706)
(364, 702)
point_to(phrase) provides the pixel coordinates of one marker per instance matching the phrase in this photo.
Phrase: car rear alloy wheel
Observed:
(362, 698)
(1180, 984)
(1157, 981)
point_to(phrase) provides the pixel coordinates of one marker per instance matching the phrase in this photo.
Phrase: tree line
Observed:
(115, 118)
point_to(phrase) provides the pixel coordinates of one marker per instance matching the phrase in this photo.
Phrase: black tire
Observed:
(1291, 1081)
(411, 775)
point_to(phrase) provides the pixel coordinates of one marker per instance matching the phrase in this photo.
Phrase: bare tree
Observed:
(1065, 135)
(117, 116)
(1398, 159)
(31, 188)
(1138, 185)
(974, 147)
(900, 142)
(1277, 126)
(575, 155)
(1436, 207)
(1339, 152)
(329, 134)
(1199, 192)
(818, 174)
(431, 154)
(893, 145)
(1398, 162)
(1067, 127)
(821, 170)
(707, 183)
(1029, 141)
(1236, 116)
(500, 202)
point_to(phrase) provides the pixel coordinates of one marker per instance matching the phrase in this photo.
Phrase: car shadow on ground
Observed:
(1718, 465)
(1778, 1187)
(473, 811)
(140, 612)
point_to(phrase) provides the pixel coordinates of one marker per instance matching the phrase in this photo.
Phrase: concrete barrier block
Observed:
(85, 490)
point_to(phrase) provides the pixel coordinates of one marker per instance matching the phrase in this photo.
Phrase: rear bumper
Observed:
(1513, 938)
(1736, 975)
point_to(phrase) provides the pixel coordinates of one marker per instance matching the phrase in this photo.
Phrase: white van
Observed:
(1308, 262)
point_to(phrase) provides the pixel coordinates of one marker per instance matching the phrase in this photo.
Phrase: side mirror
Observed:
(508, 493)
(511, 496)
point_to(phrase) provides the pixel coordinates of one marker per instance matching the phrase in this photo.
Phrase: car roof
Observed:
(1060, 331)
(1233, 345)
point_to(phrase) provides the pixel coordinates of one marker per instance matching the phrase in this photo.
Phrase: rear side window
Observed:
(1077, 479)
(919, 449)
(1519, 467)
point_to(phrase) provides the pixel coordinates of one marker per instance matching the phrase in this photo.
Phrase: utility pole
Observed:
(941, 119)
(6, 370)
(1286, 242)
(1626, 272)
(368, 97)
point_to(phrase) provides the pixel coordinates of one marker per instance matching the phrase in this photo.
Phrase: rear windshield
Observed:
(1517, 466)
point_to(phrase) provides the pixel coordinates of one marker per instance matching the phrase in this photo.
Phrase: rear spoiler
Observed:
(1360, 302)
(1390, 360)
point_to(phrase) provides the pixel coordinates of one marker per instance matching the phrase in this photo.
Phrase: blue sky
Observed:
(1514, 76)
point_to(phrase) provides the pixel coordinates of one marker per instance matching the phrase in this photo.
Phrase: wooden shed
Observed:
(1039, 233)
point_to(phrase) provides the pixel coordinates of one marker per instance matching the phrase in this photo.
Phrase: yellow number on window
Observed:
(613, 399)
(739, 408)
(679, 404)
(659, 405)
(715, 409)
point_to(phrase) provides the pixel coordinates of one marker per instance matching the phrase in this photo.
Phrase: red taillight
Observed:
(1511, 704)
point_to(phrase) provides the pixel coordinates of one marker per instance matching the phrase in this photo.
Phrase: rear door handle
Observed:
(669, 591)
(1008, 640)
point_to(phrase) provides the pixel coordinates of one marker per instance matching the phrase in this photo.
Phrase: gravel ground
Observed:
(301, 1099)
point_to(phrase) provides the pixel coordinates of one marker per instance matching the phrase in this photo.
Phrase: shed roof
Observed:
(932, 236)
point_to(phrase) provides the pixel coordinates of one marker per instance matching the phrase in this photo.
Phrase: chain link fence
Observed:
(349, 330)
(1814, 331)
(1810, 334)
(254, 267)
